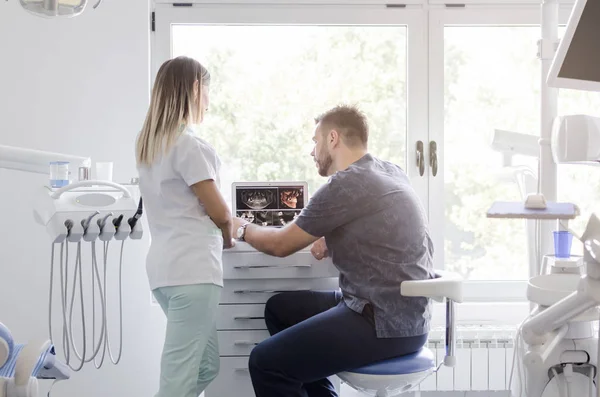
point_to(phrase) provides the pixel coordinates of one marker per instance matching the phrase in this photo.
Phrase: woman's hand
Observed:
(229, 244)
(319, 249)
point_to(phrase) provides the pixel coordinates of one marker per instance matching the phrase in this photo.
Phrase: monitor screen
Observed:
(270, 205)
(582, 57)
(576, 64)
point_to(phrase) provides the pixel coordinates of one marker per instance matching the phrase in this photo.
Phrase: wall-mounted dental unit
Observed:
(77, 213)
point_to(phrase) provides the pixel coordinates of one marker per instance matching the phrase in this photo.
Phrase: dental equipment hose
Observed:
(103, 342)
(107, 339)
(517, 358)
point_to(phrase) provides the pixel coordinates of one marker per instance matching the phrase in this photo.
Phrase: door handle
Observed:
(420, 158)
(433, 158)
(265, 291)
(245, 343)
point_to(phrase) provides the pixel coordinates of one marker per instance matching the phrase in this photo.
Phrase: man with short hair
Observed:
(375, 230)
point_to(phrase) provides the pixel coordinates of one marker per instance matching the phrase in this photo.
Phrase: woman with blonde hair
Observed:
(190, 224)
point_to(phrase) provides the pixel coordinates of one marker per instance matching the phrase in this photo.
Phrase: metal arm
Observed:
(35, 161)
(450, 359)
(446, 286)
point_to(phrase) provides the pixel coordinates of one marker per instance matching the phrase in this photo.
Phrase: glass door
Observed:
(487, 78)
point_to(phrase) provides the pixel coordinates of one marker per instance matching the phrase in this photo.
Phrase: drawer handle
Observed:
(258, 291)
(242, 369)
(248, 318)
(272, 266)
(245, 343)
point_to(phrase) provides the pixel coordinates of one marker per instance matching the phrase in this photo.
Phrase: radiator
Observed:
(484, 357)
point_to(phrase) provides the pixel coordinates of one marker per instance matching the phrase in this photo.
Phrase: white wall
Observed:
(77, 86)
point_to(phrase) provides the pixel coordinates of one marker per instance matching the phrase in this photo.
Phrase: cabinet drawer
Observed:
(239, 343)
(251, 265)
(241, 317)
(259, 291)
(233, 379)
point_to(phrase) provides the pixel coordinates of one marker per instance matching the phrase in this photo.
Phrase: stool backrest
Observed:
(445, 286)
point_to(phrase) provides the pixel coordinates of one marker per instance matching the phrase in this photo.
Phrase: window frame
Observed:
(425, 76)
(412, 17)
(384, 3)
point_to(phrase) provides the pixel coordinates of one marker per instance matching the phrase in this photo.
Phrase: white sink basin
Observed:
(547, 289)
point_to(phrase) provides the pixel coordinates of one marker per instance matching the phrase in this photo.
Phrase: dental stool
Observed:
(22, 365)
(403, 374)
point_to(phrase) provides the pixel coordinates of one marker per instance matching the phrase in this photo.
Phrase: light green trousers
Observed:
(190, 357)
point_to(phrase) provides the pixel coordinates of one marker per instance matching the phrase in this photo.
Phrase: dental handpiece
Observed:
(138, 214)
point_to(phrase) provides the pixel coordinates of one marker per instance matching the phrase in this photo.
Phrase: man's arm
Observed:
(331, 207)
(278, 242)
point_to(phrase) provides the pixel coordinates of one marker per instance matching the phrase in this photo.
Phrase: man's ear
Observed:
(334, 138)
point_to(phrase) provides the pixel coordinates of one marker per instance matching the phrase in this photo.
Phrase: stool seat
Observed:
(422, 360)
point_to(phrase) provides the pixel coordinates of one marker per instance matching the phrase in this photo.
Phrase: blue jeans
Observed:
(190, 357)
(314, 336)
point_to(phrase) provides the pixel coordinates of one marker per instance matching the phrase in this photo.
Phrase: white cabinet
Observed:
(233, 380)
(250, 279)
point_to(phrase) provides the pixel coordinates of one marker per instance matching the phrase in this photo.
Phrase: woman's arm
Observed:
(214, 203)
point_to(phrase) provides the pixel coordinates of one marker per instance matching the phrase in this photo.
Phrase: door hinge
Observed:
(153, 21)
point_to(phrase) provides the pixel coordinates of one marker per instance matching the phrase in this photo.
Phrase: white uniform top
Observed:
(186, 245)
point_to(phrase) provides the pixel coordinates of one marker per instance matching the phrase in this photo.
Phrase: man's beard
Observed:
(324, 164)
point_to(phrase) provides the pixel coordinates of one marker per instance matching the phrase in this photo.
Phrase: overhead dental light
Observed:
(576, 139)
(56, 8)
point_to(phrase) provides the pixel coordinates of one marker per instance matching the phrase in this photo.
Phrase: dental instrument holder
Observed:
(107, 228)
(553, 265)
(80, 211)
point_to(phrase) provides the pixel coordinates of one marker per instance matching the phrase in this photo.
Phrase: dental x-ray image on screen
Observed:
(274, 206)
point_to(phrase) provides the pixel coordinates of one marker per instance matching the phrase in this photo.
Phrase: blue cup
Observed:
(562, 244)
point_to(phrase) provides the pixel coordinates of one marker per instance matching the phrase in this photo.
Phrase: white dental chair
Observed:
(22, 365)
(403, 374)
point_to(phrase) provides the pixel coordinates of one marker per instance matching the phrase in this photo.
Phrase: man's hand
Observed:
(319, 249)
(237, 223)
